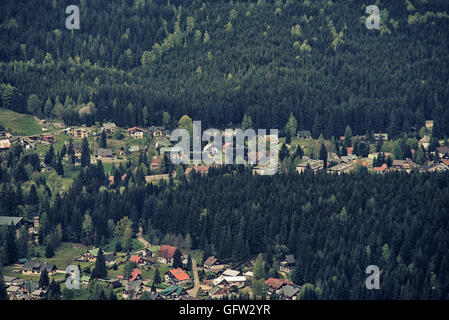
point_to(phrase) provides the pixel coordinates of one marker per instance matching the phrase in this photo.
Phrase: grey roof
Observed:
(289, 290)
(32, 264)
(290, 259)
(104, 152)
(109, 257)
(31, 286)
(8, 278)
(6, 221)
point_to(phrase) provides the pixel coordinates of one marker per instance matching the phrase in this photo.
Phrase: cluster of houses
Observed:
(345, 164)
(20, 289)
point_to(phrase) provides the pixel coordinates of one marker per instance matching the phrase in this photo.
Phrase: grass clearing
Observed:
(18, 123)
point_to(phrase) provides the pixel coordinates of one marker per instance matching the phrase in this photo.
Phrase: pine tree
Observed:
(102, 142)
(100, 270)
(157, 277)
(177, 259)
(85, 153)
(59, 167)
(10, 246)
(3, 292)
(44, 281)
(323, 155)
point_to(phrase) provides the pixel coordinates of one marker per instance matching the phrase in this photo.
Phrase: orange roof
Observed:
(136, 272)
(167, 251)
(202, 169)
(136, 259)
(381, 168)
(349, 149)
(277, 283)
(179, 274)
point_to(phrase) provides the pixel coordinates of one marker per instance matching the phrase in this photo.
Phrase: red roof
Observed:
(136, 272)
(179, 274)
(226, 145)
(203, 169)
(136, 259)
(277, 283)
(135, 129)
(349, 149)
(167, 251)
(446, 162)
(381, 168)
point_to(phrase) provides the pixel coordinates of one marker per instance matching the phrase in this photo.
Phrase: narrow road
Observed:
(196, 280)
(141, 239)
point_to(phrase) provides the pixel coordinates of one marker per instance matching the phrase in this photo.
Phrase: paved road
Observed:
(196, 280)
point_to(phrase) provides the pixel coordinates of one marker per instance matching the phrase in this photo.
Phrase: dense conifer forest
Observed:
(130, 61)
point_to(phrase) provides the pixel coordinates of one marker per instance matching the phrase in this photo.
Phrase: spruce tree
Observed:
(3, 292)
(44, 281)
(85, 153)
(100, 270)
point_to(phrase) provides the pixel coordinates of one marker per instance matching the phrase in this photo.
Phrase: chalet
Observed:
(275, 284)
(36, 267)
(305, 134)
(404, 165)
(155, 164)
(78, 133)
(5, 145)
(13, 291)
(380, 170)
(383, 136)
(17, 222)
(173, 153)
(137, 260)
(109, 127)
(212, 264)
(424, 142)
(289, 292)
(49, 138)
(177, 276)
(231, 273)
(133, 290)
(175, 291)
(315, 165)
(166, 254)
(217, 292)
(254, 157)
(103, 153)
(156, 131)
(88, 256)
(199, 169)
(135, 275)
(135, 132)
(443, 152)
(288, 264)
(110, 259)
(433, 167)
(349, 150)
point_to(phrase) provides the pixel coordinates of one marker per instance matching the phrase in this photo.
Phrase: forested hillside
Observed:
(133, 60)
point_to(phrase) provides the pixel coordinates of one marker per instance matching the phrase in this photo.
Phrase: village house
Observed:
(166, 254)
(109, 127)
(88, 256)
(443, 152)
(274, 285)
(103, 153)
(5, 145)
(109, 259)
(381, 170)
(424, 142)
(289, 292)
(341, 168)
(304, 134)
(213, 264)
(133, 290)
(155, 131)
(173, 292)
(78, 133)
(315, 165)
(199, 169)
(36, 267)
(218, 292)
(177, 276)
(157, 178)
(404, 165)
(288, 264)
(135, 132)
(137, 260)
(383, 136)
(433, 167)
(135, 275)
(155, 164)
